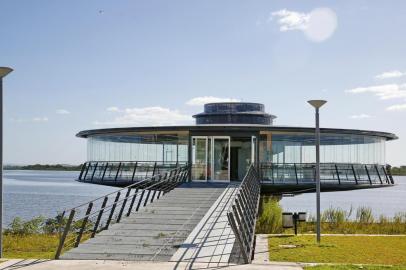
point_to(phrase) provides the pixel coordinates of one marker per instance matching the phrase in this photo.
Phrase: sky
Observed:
(97, 64)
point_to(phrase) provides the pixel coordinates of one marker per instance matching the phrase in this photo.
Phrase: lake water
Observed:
(32, 193)
(387, 201)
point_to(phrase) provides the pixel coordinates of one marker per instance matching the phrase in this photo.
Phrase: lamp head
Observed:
(4, 71)
(317, 103)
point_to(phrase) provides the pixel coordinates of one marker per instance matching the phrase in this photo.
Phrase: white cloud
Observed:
(113, 109)
(385, 91)
(34, 120)
(62, 111)
(317, 25)
(40, 119)
(291, 20)
(148, 116)
(198, 101)
(390, 75)
(360, 116)
(397, 107)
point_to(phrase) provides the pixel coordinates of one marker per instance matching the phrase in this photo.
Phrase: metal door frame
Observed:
(212, 138)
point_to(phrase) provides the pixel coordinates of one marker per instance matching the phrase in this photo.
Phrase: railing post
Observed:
(94, 171)
(123, 206)
(82, 170)
(140, 200)
(153, 171)
(338, 174)
(153, 196)
(379, 175)
(146, 199)
(104, 172)
(118, 171)
(297, 180)
(388, 170)
(386, 175)
(355, 174)
(84, 222)
(113, 207)
(99, 216)
(65, 233)
(369, 177)
(135, 169)
(87, 170)
(132, 202)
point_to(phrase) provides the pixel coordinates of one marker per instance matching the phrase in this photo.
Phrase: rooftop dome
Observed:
(234, 113)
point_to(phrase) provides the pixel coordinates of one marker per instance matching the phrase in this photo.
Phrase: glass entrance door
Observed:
(199, 158)
(211, 158)
(221, 158)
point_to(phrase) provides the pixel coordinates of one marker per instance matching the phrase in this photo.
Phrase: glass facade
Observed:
(274, 147)
(334, 148)
(161, 147)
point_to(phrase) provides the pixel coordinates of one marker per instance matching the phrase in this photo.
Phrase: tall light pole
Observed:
(3, 73)
(317, 104)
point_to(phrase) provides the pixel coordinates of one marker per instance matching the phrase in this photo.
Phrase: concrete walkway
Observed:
(211, 242)
(261, 262)
(126, 265)
(156, 231)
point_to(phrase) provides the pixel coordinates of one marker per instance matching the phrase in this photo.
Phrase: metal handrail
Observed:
(243, 212)
(133, 161)
(123, 172)
(336, 173)
(158, 185)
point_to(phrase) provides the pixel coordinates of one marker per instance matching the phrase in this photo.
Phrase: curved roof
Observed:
(234, 128)
(234, 113)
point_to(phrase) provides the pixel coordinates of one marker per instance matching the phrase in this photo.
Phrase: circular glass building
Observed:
(227, 139)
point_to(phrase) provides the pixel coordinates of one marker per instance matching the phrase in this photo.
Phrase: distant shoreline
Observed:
(396, 171)
(47, 167)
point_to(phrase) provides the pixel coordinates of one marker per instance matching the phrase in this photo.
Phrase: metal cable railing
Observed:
(330, 173)
(123, 172)
(243, 212)
(88, 219)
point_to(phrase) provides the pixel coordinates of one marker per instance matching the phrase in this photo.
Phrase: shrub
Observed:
(21, 227)
(270, 218)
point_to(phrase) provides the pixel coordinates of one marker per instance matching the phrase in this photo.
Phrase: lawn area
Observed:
(354, 267)
(383, 250)
(38, 246)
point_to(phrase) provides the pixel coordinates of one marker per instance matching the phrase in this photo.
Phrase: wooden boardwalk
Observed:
(155, 232)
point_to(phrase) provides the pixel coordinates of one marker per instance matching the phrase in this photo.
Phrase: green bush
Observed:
(270, 218)
(41, 225)
(21, 227)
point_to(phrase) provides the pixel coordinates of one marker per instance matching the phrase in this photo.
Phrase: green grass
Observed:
(354, 267)
(38, 246)
(383, 250)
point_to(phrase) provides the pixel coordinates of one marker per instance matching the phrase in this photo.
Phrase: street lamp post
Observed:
(3, 72)
(317, 104)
